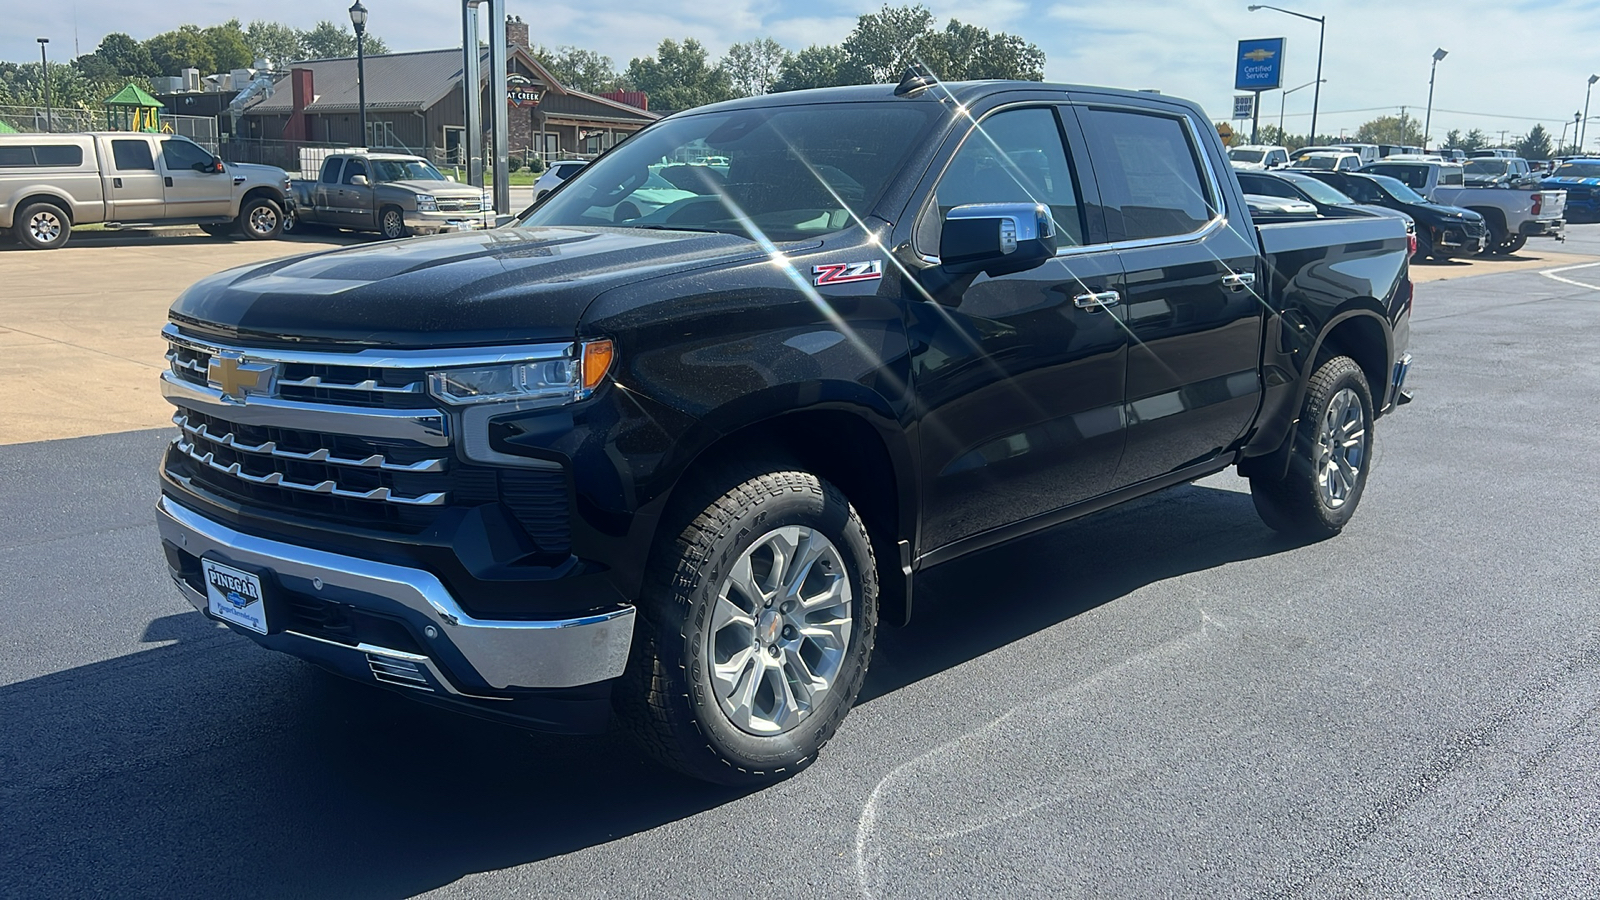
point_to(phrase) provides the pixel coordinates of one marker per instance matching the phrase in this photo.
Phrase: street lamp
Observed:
(1586, 93)
(1322, 32)
(1427, 123)
(1284, 94)
(44, 70)
(358, 19)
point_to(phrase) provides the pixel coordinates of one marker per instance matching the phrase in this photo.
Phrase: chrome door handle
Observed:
(1097, 300)
(1239, 280)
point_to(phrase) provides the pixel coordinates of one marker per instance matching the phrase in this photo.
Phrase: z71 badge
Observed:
(842, 273)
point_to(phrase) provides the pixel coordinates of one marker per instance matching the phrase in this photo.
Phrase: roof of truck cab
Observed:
(963, 92)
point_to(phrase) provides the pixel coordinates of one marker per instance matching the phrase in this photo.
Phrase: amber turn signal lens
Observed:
(596, 363)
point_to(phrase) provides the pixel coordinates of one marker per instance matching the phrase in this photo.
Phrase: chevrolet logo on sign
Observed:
(1259, 55)
(230, 374)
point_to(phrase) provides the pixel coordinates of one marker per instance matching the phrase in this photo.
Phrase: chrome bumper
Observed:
(445, 222)
(505, 654)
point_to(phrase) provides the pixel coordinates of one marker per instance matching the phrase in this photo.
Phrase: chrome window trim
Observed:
(423, 426)
(379, 357)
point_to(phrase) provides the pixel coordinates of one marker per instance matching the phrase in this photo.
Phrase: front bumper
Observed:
(447, 222)
(440, 639)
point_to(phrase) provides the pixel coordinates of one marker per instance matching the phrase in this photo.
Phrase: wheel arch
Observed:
(857, 447)
(1495, 216)
(43, 196)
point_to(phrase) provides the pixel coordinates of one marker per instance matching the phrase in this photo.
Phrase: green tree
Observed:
(117, 56)
(964, 52)
(1475, 140)
(678, 76)
(1536, 145)
(575, 67)
(186, 48)
(755, 66)
(813, 67)
(330, 41)
(1390, 130)
(1452, 139)
(273, 41)
(229, 48)
(885, 43)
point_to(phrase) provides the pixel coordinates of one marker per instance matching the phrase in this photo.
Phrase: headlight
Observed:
(548, 381)
(427, 203)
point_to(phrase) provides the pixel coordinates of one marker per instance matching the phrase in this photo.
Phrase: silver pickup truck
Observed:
(390, 193)
(50, 183)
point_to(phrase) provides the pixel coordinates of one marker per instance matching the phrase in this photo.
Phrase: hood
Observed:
(502, 286)
(267, 172)
(437, 188)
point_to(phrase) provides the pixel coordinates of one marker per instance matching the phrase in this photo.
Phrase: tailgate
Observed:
(1552, 205)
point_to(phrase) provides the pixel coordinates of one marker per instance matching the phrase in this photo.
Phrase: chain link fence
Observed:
(35, 119)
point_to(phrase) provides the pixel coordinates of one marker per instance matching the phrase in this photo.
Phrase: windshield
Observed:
(1487, 166)
(1317, 162)
(1246, 155)
(1579, 170)
(1398, 189)
(405, 170)
(1319, 191)
(785, 173)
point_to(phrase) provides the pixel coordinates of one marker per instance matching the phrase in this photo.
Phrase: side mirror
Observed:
(997, 238)
(204, 167)
(358, 180)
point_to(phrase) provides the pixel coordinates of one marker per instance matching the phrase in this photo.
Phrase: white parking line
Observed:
(1554, 275)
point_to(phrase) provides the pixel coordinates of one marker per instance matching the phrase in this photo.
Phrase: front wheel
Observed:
(756, 628)
(1424, 244)
(1330, 457)
(392, 223)
(261, 219)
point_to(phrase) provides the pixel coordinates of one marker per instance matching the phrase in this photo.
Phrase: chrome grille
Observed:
(459, 204)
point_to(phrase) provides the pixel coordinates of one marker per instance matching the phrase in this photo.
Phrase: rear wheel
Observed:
(1514, 243)
(42, 226)
(755, 630)
(1499, 240)
(261, 219)
(1329, 460)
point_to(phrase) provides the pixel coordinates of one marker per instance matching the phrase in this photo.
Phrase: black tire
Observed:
(42, 226)
(221, 229)
(260, 219)
(1498, 241)
(392, 223)
(667, 696)
(1424, 244)
(1297, 504)
(1514, 243)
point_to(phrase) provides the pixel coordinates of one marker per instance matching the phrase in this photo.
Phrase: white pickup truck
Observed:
(1512, 214)
(50, 183)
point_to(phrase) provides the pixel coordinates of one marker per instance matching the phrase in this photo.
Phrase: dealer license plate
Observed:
(235, 596)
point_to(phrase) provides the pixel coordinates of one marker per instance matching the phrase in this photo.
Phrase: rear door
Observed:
(1191, 307)
(134, 189)
(194, 188)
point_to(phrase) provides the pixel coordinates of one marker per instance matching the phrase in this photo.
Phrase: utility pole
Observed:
(44, 71)
(1502, 138)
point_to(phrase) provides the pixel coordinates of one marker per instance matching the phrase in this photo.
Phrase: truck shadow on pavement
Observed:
(209, 768)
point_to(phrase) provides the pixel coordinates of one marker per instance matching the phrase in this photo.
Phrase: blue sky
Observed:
(1511, 62)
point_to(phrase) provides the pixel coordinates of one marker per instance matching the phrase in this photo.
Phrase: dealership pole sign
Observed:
(1259, 65)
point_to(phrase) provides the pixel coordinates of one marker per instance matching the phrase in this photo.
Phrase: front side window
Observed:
(782, 173)
(178, 154)
(1398, 189)
(1016, 156)
(1149, 174)
(353, 168)
(132, 156)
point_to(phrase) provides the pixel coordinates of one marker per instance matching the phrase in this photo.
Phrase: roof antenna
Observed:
(917, 78)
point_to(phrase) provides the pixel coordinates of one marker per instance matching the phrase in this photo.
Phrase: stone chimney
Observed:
(516, 32)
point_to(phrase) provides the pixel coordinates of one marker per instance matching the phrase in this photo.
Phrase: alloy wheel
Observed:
(44, 227)
(263, 219)
(1342, 448)
(780, 627)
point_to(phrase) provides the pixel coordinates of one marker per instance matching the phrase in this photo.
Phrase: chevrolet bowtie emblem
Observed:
(233, 376)
(1259, 55)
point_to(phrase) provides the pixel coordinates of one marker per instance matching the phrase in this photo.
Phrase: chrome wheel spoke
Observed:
(1342, 448)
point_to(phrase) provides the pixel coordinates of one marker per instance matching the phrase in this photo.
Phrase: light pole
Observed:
(1322, 32)
(1427, 122)
(1586, 93)
(44, 71)
(1282, 95)
(1561, 145)
(358, 19)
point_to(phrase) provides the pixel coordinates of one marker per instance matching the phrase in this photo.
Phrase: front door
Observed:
(355, 200)
(194, 188)
(1019, 380)
(136, 192)
(1192, 307)
(326, 194)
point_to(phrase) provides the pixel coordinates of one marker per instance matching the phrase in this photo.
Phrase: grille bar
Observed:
(370, 384)
(330, 487)
(321, 455)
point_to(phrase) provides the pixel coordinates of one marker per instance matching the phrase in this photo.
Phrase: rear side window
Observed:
(132, 156)
(1149, 174)
(29, 156)
(1450, 176)
(1414, 177)
(1015, 156)
(330, 170)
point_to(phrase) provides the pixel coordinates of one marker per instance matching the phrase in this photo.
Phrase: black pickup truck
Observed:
(677, 459)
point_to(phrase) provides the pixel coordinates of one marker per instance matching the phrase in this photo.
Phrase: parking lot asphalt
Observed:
(1165, 699)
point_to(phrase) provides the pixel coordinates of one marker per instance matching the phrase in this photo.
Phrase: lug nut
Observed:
(773, 650)
(789, 632)
(788, 606)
